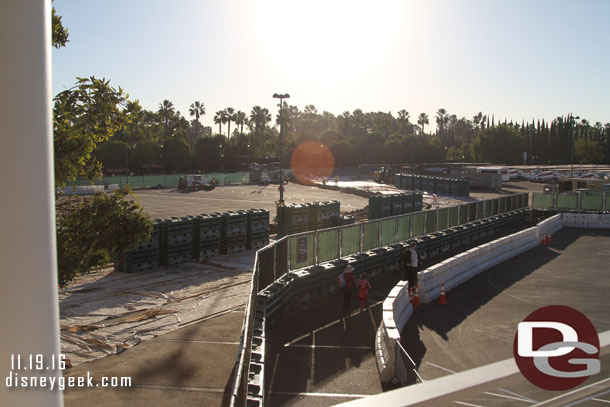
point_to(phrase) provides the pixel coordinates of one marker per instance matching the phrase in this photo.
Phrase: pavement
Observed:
(192, 366)
(161, 203)
(321, 356)
(479, 324)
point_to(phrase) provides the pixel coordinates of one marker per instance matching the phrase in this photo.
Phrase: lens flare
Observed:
(312, 160)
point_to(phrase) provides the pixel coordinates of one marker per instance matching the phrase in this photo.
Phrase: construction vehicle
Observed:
(195, 183)
(384, 176)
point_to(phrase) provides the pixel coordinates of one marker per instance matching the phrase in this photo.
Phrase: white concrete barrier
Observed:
(462, 267)
(586, 220)
(454, 271)
(396, 312)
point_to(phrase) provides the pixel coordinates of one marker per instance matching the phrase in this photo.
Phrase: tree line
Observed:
(166, 141)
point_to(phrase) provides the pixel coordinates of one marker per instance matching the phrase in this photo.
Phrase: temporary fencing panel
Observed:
(542, 201)
(388, 231)
(591, 201)
(454, 219)
(567, 201)
(463, 214)
(501, 205)
(301, 251)
(404, 227)
(487, 209)
(608, 200)
(431, 221)
(513, 202)
(370, 235)
(472, 212)
(350, 240)
(328, 245)
(443, 218)
(266, 262)
(495, 206)
(418, 224)
(480, 210)
(281, 257)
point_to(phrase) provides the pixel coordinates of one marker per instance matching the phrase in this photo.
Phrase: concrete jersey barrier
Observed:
(460, 268)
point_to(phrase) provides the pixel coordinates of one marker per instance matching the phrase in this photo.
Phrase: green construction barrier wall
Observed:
(328, 245)
(388, 232)
(404, 227)
(472, 212)
(590, 202)
(501, 205)
(480, 210)
(443, 218)
(370, 238)
(301, 251)
(350, 239)
(567, 201)
(495, 206)
(454, 219)
(431, 221)
(542, 201)
(418, 224)
(463, 214)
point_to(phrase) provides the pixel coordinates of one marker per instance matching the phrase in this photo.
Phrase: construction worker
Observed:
(411, 263)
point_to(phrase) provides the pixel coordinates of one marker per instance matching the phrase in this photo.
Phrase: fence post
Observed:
(315, 247)
(288, 254)
(274, 262)
(379, 234)
(396, 229)
(340, 251)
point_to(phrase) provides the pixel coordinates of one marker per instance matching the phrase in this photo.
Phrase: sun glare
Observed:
(329, 38)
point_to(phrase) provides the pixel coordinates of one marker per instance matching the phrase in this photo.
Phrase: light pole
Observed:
(281, 97)
(573, 123)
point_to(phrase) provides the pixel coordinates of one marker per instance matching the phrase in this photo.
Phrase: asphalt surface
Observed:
(161, 203)
(479, 324)
(192, 366)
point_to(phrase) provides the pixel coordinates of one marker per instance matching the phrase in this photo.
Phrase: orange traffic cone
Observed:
(416, 299)
(548, 237)
(411, 295)
(442, 299)
(543, 241)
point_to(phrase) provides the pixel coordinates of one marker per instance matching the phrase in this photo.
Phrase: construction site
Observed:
(242, 306)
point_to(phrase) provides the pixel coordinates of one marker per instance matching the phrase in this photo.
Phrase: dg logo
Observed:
(556, 348)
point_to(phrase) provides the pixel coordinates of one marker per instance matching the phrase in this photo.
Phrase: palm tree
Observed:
(422, 120)
(403, 119)
(259, 116)
(442, 117)
(240, 120)
(166, 113)
(197, 109)
(230, 115)
(219, 119)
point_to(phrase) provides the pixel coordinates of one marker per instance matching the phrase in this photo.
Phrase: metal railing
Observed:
(314, 247)
(405, 369)
(240, 379)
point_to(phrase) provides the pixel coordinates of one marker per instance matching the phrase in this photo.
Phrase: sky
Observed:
(519, 59)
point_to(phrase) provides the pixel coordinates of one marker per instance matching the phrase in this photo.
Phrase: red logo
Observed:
(556, 348)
